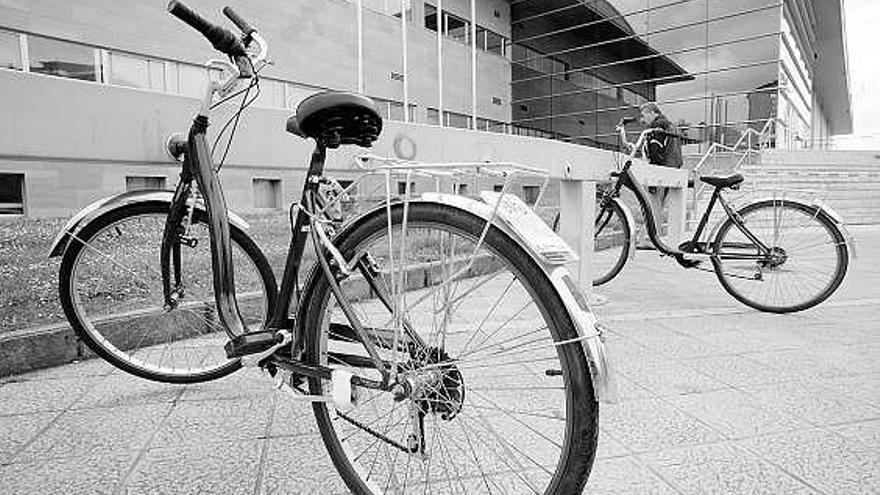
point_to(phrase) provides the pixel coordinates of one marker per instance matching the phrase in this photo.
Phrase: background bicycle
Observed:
(779, 254)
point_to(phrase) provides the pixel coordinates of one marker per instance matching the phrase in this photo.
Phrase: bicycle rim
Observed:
(807, 261)
(611, 243)
(503, 409)
(112, 287)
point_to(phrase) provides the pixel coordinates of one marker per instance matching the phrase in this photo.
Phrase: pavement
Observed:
(716, 398)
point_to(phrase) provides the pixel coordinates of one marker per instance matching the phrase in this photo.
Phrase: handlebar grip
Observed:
(221, 38)
(236, 19)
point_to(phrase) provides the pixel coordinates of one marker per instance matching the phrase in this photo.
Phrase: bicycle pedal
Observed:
(253, 343)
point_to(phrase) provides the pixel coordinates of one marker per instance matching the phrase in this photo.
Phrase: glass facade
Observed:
(557, 69)
(578, 67)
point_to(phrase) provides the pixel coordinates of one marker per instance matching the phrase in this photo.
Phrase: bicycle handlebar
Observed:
(221, 38)
(246, 29)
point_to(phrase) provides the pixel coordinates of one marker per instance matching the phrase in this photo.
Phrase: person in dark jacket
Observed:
(663, 147)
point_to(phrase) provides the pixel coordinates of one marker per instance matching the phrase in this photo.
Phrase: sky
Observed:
(863, 37)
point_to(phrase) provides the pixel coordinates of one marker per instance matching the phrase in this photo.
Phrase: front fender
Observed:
(110, 203)
(551, 261)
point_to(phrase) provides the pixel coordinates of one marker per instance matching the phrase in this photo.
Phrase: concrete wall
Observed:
(312, 42)
(77, 141)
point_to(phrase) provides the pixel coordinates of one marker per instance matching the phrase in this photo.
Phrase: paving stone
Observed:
(866, 432)
(215, 421)
(828, 461)
(222, 468)
(15, 431)
(674, 344)
(299, 465)
(608, 447)
(745, 341)
(79, 369)
(722, 469)
(812, 403)
(736, 414)
(736, 371)
(76, 433)
(122, 389)
(96, 472)
(863, 388)
(245, 382)
(798, 364)
(673, 378)
(292, 417)
(623, 476)
(24, 397)
(653, 424)
(627, 389)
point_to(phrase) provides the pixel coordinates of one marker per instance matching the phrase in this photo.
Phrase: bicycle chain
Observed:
(374, 432)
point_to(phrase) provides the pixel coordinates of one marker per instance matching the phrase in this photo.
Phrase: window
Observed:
(11, 194)
(498, 188)
(267, 193)
(457, 120)
(433, 116)
(457, 28)
(461, 189)
(136, 183)
(494, 42)
(137, 72)
(481, 37)
(10, 51)
(530, 194)
(431, 17)
(59, 58)
(401, 187)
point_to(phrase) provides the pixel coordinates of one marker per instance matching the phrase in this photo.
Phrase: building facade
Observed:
(564, 70)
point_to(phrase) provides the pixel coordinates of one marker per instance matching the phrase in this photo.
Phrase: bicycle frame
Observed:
(626, 178)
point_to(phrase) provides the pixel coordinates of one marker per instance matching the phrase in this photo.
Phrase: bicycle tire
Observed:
(110, 327)
(763, 283)
(612, 241)
(577, 446)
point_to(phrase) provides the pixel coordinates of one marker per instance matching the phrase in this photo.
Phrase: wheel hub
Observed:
(775, 259)
(435, 387)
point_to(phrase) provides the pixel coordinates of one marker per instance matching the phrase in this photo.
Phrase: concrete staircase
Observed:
(848, 181)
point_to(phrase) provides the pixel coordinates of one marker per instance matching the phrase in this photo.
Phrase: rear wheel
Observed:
(806, 262)
(111, 290)
(498, 403)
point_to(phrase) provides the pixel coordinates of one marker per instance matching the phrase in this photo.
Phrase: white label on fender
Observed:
(530, 228)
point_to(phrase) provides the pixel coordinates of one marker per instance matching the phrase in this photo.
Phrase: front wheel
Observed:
(111, 291)
(501, 399)
(804, 262)
(612, 240)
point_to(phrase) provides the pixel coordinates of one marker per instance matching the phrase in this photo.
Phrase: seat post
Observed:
(703, 221)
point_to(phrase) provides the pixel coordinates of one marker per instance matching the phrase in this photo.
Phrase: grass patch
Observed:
(29, 278)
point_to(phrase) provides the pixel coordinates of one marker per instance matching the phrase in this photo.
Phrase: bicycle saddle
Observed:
(335, 118)
(723, 180)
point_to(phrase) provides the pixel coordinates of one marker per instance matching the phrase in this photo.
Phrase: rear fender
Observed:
(108, 204)
(821, 209)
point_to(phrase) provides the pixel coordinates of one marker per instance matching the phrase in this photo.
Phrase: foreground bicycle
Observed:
(441, 341)
(777, 254)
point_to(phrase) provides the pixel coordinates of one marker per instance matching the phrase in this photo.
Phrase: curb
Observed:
(55, 345)
(32, 349)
